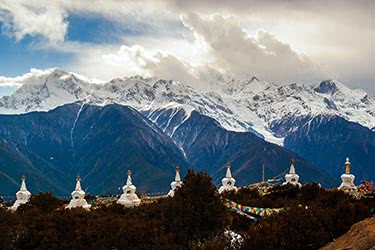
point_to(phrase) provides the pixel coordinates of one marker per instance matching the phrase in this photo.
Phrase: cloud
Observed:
(17, 81)
(49, 20)
(280, 41)
(263, 55)
(170, 67)
(338, 34)
(218, 44)
(277, 8)
(23, 18)
(105, 63)
(222, 44)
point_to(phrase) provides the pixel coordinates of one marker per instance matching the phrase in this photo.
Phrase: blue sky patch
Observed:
(17, 57)
(96, 29)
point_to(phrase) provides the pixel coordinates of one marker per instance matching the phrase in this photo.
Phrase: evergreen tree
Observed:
(197, 212)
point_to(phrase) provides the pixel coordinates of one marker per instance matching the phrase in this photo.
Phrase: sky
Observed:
(277, 41)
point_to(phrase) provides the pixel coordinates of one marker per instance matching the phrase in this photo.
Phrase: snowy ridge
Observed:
(238, 105)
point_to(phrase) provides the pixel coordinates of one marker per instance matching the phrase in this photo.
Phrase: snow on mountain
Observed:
(238, 105)
(42, 91)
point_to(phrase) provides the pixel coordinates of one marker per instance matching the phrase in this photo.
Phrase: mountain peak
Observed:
(58, 72)
(254, 78)
(327, 87)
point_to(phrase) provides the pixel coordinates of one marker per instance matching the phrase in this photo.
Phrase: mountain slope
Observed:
(207, 145)
(110, 140)
(42, 142)
(99, 143)
(326, 141)
(13, 165)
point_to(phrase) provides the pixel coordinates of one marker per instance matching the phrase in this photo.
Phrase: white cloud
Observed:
(25, 18)
(263, 55)
(218, 43)
(170, 67)
(17, 81)
(105, 63)
(49, 18)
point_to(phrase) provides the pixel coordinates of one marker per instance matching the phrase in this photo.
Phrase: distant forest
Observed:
(195, 218)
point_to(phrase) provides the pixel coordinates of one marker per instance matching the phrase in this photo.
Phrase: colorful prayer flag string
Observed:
(243, 210)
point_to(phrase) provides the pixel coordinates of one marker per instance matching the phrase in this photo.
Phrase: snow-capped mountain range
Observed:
(238, 105)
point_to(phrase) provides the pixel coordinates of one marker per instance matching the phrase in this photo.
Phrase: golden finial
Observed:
(78, 178)
(347, 166)
(177, 168)
(129, 172)
(23, 177)
(228, 164)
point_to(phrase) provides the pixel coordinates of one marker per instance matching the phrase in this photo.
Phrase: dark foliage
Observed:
(312, 217)
(42, 203)
(197, 212)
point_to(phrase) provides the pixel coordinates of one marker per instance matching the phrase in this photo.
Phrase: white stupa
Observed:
(228, 181)
(78, 197)
(176, 183)
(292, 177)
(23, 195)
(347, 178)
(129, 198)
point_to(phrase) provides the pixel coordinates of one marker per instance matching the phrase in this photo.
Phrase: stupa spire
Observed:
(129, 180)
(347, 166)
(23, 184)
(292, 169)
(78, 184)
(229, 173)
(177, 177)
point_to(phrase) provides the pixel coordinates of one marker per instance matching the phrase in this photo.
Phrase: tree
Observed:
(197, 212)
(42, 202)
